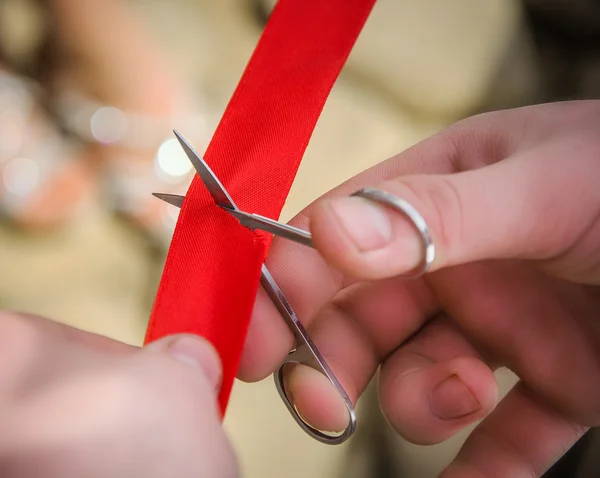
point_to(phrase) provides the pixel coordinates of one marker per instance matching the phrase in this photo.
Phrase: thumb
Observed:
(522, 207)
(191, 350)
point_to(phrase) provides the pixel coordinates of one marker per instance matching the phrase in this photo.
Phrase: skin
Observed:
(513, 204)
(76, 404)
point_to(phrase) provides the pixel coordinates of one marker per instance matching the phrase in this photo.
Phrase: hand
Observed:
(512, 199)
(79, 405)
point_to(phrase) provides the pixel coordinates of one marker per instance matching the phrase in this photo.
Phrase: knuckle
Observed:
(450, 143)
(448, 206)
(482, 139)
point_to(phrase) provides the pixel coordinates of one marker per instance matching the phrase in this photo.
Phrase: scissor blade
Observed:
(252, 221)
(210, 180)
(173, 199)
(255, 221)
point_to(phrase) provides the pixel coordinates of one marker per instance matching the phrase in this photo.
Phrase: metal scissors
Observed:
(305, 353)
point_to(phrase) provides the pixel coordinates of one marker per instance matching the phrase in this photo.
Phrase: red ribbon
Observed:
(212, 271)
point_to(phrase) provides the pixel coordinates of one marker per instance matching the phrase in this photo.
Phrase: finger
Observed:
(354, 333)
(194, 351)
(516, 314)
(436, 385)
(23, 325)
(109, 418)
(34, 349)
(495, 212)
(521, 438)
(177, 378)
(309, 282)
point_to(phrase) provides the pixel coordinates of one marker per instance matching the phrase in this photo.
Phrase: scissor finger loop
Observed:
(409, 211)
(303, 357)
(306, 353)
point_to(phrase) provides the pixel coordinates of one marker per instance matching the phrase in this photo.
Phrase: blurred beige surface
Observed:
(418, 66)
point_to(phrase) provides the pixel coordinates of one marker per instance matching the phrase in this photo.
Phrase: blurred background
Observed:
(90, 91)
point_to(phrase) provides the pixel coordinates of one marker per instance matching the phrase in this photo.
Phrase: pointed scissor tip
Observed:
(173, 199)
(180, 138)
(210, 180)
(186, 146)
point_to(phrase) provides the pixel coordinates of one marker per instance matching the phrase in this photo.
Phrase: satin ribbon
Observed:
(212, 271)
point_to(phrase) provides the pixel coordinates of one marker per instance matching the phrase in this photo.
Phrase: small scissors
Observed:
(306, 352)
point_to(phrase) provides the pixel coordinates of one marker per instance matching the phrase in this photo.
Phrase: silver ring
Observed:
(404, 207)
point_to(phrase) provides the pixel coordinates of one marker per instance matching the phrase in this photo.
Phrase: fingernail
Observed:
(366, 223)
(452, 399)
(199, 353)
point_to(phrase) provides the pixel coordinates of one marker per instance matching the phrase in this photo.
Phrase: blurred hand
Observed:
(78, 405)
(512, 199)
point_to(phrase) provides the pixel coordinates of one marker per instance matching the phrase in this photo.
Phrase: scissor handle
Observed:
(306, 353)
(302, 356)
